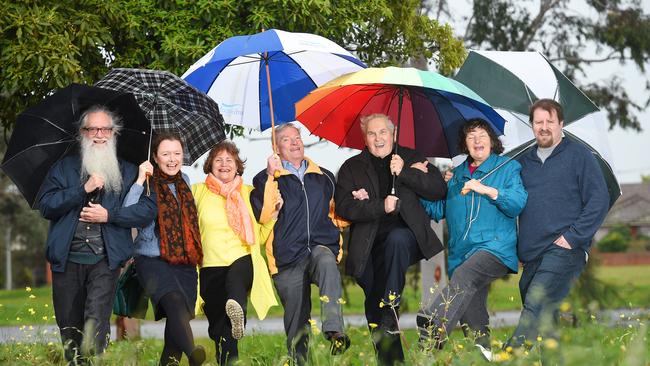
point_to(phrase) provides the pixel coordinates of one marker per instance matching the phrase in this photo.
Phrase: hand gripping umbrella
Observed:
(48, 131)
(428, 108)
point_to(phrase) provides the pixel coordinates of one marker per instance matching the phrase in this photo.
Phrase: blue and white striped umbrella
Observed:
(234, 74)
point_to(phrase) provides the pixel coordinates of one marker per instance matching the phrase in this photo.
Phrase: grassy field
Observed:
(34, 306)
(591, 344)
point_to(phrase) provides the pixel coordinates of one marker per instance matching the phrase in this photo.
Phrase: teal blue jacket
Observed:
(477, 222)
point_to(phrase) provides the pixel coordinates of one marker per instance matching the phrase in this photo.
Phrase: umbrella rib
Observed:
(35, 146)
(48, 121)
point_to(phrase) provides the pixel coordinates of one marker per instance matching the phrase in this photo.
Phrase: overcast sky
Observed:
(627, 147)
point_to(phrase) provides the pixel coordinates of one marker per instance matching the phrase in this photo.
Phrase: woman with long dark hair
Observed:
(168, 250)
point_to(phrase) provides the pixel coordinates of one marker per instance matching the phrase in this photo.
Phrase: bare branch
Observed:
(537, 23)
(575, 60)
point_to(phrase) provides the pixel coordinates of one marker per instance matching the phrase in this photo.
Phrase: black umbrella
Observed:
(171, 104)
(46, 132)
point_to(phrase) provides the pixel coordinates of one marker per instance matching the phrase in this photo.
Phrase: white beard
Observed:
(102, 161)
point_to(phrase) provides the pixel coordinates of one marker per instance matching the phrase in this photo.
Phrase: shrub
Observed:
(617, 240)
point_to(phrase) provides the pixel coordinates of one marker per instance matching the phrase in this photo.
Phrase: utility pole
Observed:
(8, 280)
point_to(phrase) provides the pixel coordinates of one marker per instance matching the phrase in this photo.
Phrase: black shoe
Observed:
(340, 342)
(197, 357)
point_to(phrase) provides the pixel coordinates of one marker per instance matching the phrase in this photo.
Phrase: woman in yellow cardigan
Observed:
(232, 263)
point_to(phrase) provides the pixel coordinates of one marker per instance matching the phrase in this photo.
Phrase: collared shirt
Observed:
(299, 172)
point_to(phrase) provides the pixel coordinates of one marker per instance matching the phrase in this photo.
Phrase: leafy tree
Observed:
(617, 30)
(47, 44)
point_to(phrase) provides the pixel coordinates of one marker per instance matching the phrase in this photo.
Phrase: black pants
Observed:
(82, 296)
(218, 284)
(385, 274)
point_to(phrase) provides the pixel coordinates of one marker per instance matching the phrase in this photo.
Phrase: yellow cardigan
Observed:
(221, 246)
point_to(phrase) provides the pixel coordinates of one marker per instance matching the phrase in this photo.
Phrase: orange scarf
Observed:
(236, 209)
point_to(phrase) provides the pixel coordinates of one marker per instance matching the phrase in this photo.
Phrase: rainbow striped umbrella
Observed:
(427, 108)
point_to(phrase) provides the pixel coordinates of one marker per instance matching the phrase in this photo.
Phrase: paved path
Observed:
(150, 329)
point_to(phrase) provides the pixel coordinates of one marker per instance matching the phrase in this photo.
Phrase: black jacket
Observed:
(365, 215)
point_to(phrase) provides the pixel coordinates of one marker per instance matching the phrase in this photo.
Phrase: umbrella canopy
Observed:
(427, 108)
(46, 132)
(171, 104)
(234, 74)
(513, 81)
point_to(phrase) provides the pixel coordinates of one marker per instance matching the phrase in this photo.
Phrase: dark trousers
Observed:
(385, 274)
(464, 299)
(218, 284)
(82, 296)
(544, 283)
(294, 288)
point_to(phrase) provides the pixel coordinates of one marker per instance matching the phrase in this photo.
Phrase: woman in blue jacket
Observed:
(481, 214)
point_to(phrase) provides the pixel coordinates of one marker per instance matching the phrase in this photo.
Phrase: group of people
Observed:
(541, 211)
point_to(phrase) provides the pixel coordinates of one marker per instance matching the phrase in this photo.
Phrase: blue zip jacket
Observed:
(568, 196)
(476, 222)
(61, 199)
(304, 220)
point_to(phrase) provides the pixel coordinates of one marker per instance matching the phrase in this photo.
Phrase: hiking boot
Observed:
(197, 357)
(236, 315)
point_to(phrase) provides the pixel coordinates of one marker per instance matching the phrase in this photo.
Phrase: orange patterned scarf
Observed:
(236, 209)
(178, 223)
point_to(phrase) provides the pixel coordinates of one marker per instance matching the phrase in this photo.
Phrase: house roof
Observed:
(632, 208)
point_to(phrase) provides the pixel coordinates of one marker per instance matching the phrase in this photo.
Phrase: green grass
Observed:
(632, 282)
(592, 344)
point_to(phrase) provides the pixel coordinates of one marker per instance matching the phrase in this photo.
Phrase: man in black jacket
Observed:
(386, 237)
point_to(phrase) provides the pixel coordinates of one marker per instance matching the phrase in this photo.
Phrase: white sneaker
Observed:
(236, 315)
(485, 352)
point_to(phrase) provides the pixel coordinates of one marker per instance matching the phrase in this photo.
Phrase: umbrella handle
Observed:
(276, 174)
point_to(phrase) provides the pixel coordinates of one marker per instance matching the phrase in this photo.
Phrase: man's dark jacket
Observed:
(61, 199)
(365, 215)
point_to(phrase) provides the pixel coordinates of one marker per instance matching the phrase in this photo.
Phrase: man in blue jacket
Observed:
(567, 203)
(305, 245)
(90, 233)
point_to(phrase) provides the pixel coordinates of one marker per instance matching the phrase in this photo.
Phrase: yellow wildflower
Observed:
(32, 296)
(325, 299)
(372, 325)
(341, 301)
(28, 289)
(391, 297)
(551, 343)
(565, 307)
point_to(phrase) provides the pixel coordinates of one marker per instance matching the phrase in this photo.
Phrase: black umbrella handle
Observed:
(400, 100)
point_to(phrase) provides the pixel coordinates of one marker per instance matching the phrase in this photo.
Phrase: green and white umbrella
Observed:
(512, 81)
(515, 80)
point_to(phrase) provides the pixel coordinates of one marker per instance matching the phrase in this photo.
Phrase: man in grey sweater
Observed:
(567, 203)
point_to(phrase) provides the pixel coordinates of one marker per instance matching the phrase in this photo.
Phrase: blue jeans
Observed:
(544, 283)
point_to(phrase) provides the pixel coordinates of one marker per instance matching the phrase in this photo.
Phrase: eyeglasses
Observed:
(94, 131)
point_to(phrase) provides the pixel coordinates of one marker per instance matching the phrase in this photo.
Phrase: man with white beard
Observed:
(90, 233)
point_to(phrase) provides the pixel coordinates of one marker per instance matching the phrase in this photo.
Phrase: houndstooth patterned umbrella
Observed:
(171, 104)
